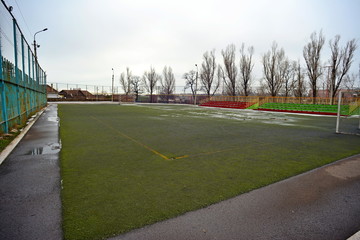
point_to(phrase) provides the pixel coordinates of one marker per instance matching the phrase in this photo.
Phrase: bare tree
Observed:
(190, 81)
(340, 62)
(246, 67)
(271, 61)
(150, 79)
(285, 74)
(349, 81)
(207, 72)
(261, 90)
(136, 86)
(229, 74)
(167, 82)
(311, 53)
(298, 81)
(125, 81)
(222, 79)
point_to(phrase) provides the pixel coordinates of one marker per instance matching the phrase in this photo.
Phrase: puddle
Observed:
(53, 119)
(227, 113)
(50, 148)
(157, 118)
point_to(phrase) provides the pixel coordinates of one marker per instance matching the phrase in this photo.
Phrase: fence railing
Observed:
(131, 98)
(22, 80)
(268, 99)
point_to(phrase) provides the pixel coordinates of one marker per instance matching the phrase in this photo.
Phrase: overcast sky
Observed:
(87, 38)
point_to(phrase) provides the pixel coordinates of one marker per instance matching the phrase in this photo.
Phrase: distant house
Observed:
(349, 93)
(51, 92)
(87, 94)
(76, 94)
(326, 93)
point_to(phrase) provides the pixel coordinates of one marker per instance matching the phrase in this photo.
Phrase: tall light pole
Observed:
(359, 96)
(35, 44)
(196, 80)
(112, 86)
(331, 90)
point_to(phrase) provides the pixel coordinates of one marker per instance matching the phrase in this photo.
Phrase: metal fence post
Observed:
(33, 83)
(21, 90)
(3, 96)
(16, 72)
(45, 90)
(2, 93)
(24, 82)
(29, 82)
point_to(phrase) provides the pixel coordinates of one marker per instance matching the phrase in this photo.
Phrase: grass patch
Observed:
(124, 167)
(6, 139)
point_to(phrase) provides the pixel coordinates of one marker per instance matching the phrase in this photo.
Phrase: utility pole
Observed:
(359, 99)
(197, 71)
(112, 86)
(329, 82)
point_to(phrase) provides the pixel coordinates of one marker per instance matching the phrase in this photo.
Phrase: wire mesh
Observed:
(22, 80)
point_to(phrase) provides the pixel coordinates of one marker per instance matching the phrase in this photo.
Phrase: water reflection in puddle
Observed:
(53, 119)
(50, 148)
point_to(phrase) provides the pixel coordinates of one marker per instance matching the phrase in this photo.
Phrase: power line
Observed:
(6, 37)
(18, 29)
(23, 18)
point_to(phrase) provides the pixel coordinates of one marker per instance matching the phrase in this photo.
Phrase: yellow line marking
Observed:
(132, 139)
(158, 153)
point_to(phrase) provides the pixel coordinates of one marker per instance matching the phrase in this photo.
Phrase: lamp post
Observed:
(112, 86)
(36, 60)
(196, 80)
(329, 81)
(35, 45)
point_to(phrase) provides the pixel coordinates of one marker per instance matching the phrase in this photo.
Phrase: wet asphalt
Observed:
(30, 205)
(320, 204)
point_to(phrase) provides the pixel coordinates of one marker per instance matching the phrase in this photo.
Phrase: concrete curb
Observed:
(356, 236)
(6, 152)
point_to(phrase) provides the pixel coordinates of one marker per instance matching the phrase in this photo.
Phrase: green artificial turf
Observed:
(126, 166)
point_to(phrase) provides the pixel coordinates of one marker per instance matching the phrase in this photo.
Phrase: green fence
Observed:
(22, 80)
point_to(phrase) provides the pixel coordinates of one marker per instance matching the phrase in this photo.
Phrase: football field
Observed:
(126, 166)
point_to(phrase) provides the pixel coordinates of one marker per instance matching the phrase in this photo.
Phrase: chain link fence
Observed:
(22, 80)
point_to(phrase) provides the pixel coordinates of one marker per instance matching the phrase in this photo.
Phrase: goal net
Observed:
(348, 114)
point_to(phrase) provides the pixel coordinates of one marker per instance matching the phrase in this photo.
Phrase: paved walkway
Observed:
(30, 206)
(320, 204)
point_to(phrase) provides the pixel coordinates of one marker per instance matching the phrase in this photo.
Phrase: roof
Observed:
(86, 93)
(72, 93)
(50, 89)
